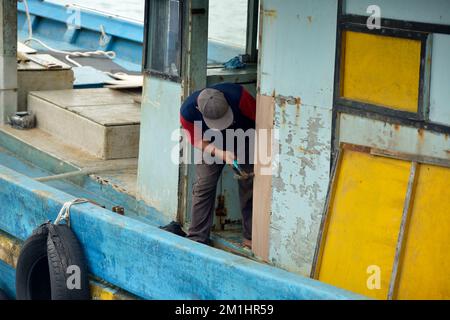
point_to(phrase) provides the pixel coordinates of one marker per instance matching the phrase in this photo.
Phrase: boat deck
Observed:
(39, 154)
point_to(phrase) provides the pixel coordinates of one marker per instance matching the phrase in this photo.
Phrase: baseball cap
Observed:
(215, 109)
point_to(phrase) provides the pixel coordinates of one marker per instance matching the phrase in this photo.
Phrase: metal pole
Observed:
(8, 59)
(252, 30)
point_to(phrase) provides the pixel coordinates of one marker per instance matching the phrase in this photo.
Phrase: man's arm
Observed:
(205, 146)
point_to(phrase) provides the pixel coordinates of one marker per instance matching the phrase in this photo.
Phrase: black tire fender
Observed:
(68, 269)
(32, 273)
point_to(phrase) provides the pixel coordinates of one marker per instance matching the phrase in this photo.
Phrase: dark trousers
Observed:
(203, 201)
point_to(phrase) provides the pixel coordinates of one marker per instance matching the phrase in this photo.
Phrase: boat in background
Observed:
(76, 28)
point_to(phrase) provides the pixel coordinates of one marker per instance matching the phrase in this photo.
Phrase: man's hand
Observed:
(229, 157)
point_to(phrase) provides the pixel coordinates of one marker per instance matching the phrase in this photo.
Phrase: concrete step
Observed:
(103, 122)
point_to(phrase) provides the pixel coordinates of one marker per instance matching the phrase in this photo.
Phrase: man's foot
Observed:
(247, 243)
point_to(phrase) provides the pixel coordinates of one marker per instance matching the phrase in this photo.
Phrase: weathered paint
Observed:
(431, 11)
(299, 184)
(297, 69)
(158, 174)
(28, 160)
(440, 79)
(297, 56)
(379, 134)
(387, 214)
(9, 255)
(8, 59)
(363, 222)
(147, 261)
(101, 291)
(9, 249)
(7, 279)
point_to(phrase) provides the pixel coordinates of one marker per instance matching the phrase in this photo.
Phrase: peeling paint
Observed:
(270, 13)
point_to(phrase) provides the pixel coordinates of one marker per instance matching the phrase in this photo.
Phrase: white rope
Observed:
(64, 213)
(69, 54)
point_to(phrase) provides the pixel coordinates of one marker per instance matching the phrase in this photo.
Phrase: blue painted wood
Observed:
(50, 26)
(89, 19)
(83, 187)
(8, 279)
(147, 261)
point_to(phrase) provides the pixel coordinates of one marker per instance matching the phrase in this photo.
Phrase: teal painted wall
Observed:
(297, 67)
(158, 174)
(440, 80)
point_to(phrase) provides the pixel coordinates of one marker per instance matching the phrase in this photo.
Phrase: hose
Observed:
(98, 53)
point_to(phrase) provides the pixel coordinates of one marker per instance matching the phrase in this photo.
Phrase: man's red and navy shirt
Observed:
(240, 101)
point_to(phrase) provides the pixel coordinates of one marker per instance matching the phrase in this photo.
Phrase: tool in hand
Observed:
(239, 173)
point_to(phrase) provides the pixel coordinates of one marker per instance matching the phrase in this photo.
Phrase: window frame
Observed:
(146, 68)
(422, 108)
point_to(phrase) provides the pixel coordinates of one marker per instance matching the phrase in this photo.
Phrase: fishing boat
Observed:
(351, 200)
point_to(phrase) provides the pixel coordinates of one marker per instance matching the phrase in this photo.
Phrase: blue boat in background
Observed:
(74, 28)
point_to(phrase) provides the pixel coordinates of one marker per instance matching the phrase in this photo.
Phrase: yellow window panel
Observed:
(363, 223)
(381, 70)
(425, 267)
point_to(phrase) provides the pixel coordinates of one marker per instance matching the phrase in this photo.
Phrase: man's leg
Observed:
(246, 197)
(203, 201)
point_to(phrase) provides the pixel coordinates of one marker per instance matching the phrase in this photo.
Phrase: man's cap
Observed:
(215, 109)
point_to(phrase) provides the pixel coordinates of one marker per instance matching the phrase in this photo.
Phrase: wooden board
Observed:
(85, 97)
(381, 70)
(425, 267)
(363, 222)
(262, 188)
(112, 115)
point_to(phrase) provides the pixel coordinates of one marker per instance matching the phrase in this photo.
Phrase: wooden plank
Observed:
(111, 115)
(325, 217)
(262, 189)
(84, 97)
(402, 232)
(411, 157)
(100, 290)
(24, 48)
